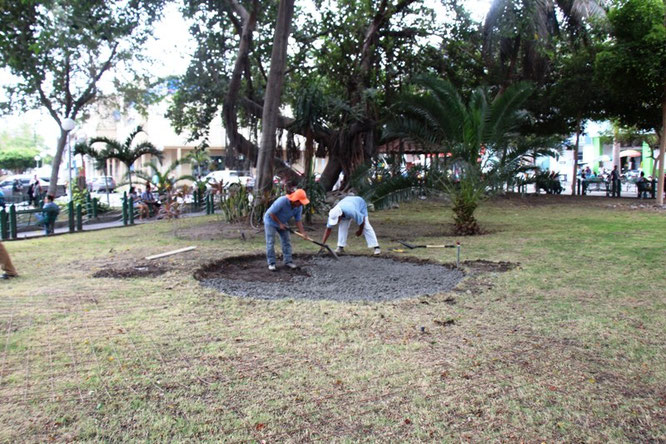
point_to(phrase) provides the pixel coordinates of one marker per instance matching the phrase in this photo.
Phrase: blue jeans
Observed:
(285, 241)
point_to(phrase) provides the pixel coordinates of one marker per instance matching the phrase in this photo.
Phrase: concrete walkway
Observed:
(97, 226)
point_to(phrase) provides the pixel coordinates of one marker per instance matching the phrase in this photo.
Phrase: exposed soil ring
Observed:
(352, 278)
(132, 271)
(484, 266)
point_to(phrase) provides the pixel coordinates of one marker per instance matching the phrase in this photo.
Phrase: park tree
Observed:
(575, 94)
(476, 132)
(58, 53)
(272, 97)
(358, 52)
(551, 44)
(17, 159)
(633, 67)
(519, 36)
(18, 148)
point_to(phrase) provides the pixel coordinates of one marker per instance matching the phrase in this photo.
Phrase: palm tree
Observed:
(125, 152)
(518, 34)
(100, 157)
(475, 134)
(199, 159)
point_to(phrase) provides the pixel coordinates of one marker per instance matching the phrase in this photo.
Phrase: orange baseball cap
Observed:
(300, 196)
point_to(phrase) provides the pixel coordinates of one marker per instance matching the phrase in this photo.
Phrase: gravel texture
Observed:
(352, 278)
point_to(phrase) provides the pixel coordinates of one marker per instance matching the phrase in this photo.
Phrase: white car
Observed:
(230, 177)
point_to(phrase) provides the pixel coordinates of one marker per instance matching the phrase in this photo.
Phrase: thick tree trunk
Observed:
(272, 97)
(57, 159)
(309, 152)
(575, 159)
(331, 173)
(616, 151)
(662, 151)
(248, 21)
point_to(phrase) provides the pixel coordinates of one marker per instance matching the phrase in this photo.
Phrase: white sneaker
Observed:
(377, 251)
(291, 265)
(340, 250)
(271, 267)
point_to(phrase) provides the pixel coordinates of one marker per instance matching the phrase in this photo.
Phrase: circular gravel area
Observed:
(352, 278)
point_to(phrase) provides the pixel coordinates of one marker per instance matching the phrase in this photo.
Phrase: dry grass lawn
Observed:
(569, 346)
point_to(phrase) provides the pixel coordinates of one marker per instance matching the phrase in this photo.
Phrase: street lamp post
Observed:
(68, 125)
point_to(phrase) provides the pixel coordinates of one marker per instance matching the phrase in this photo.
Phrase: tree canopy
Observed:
(59, 50)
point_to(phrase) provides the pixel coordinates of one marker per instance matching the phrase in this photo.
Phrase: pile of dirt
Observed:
(351, 278)
(132, 271)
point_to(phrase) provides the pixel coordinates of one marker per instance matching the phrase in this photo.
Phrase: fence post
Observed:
(207, 204)
(79, 218)
(12, 221)
(88, 205)
(94, 207)
(4, 231)
(70, 212)
(130, 210)
(125, 208)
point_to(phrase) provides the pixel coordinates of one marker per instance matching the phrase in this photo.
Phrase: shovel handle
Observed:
(307, 239)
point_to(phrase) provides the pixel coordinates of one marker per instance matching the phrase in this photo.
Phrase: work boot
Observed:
(291, 265)
(271, 267)
(339, 250)
(377, 251)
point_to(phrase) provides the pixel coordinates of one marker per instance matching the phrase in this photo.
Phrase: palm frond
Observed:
(503, 116)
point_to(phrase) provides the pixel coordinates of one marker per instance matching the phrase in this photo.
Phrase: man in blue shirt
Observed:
(276, 221)
(348, 209)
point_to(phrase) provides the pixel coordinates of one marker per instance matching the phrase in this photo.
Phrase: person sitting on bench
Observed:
(148, 199)
(643, 186)
(50, 212)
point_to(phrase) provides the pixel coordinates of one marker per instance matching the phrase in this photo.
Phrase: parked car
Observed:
(19, 192)
(230, 177)
(102, 184)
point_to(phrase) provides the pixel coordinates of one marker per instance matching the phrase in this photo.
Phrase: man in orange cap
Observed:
(276, 220)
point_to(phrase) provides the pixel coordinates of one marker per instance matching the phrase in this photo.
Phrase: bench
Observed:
(643, 188)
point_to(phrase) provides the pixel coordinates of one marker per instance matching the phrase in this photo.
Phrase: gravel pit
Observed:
(352, 278)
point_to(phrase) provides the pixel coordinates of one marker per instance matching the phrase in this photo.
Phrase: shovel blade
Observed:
(410, 246)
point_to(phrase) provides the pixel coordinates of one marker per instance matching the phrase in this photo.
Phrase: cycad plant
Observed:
(164, 181)
(436, 118)
(127, 152)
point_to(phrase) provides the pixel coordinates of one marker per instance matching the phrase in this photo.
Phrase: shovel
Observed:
(316, 243)
(411, 246)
